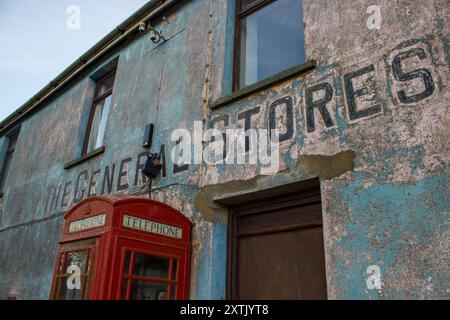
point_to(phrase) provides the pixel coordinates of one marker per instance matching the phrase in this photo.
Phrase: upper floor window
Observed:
(99, 112)
(12, 141)
(269, 39)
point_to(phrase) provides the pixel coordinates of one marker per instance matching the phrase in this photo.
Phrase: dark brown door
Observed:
(277, 250)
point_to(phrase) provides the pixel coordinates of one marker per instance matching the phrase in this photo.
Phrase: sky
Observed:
(41, 38)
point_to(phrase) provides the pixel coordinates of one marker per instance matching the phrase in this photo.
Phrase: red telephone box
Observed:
(121, 247)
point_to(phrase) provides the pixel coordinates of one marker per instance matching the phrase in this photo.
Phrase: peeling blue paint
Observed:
(384, 220)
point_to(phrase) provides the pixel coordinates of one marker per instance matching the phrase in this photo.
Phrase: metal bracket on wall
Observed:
(155, 35)
(153, 164)
(148, 136)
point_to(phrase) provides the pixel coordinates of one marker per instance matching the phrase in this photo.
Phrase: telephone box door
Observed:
(150, 272)
(75, 270)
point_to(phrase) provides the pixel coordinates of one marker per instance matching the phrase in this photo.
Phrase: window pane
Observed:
(151, 266)
(271, 41)
(104, 86)
(103, 121)
(12, 142)
(173, 293)
(95, 126)
(174, 270)
(142, 290)
(123, 290)
(126, 263)
(98, 124)
(6, 167)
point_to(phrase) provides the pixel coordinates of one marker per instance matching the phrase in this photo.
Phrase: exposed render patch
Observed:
(211, 200)
(328, 167)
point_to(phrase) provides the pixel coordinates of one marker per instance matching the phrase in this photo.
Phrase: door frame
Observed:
(309, 196)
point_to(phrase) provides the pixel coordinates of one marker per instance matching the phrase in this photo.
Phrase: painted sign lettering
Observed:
(152, 227)
(313, 108)
(87, 223)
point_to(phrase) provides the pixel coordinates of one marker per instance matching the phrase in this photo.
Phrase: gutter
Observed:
(149, 11)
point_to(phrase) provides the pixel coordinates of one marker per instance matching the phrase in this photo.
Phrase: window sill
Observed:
(84, 157)
(263, 84)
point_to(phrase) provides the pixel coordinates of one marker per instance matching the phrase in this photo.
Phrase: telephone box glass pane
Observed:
(174, 270)
(151, 266)
(123, 291)
(173, 293)
(143, 290)
(126, 263)
(75, 259)
(71, 289)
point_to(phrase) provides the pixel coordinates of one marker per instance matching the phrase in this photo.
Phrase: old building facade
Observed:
(362, 113)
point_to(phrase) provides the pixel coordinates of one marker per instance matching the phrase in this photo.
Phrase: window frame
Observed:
(172, 280)
(10, 149)
(239, 15)
(96, 100)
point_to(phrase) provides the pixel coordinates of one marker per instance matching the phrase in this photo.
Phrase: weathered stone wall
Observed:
(384, 181)
(381, 156)
(155, 83)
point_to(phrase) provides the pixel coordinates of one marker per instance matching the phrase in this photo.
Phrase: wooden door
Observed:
(277, 250)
